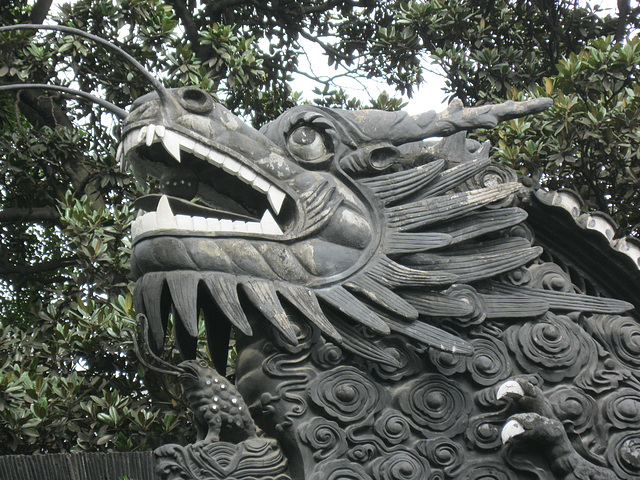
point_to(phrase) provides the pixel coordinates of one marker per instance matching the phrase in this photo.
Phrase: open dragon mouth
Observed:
(205, 191)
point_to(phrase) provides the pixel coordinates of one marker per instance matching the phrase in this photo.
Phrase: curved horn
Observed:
(399, 127)
(119, 112)
(155, 83)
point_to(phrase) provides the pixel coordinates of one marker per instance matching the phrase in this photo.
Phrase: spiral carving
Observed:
(622, 408)
(339, 470)
(324, 437)
(483, 432)
(549, 276)
(363, 452)
(404, 353)
(519, 277)
(574, 408)
(392, 427)
(624, 454)
(400, 465)
(490, 361)
(554, 347)
(327, 355)
(435, 404)
(486, 471)
(495, 174)
(621, 335)
(346, 394)
(468, 294)
(447, 363)
(442, 453)
(306, 334)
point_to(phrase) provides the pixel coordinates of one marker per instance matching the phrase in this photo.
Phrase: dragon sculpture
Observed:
(394, 315)
(394, 318)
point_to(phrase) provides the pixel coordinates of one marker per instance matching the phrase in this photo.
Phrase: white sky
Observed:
(429, 96)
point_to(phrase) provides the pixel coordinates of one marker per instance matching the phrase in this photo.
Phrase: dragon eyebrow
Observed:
(155, 83)
(119, 112)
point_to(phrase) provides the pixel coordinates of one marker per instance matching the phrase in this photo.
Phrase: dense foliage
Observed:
(68, 377)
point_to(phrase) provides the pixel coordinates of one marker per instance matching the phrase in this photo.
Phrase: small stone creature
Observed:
(219, 411)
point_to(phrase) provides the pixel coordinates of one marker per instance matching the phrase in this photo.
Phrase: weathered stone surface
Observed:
(395, 314)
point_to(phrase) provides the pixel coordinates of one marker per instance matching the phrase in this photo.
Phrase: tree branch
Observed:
(40, 11)
(8, 270)
(34, 214)
(326, 47)
(189, 23)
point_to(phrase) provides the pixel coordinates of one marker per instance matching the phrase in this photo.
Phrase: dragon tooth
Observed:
(136, 227)
(226, 225)
(184, 222)
(128, 142)
(160, 130)
(148, 222)
(254, 227)
(200, 151)
(151, 133)
(246, 175)
(276, 197)
(213, 224)
(142, 133)
(187, 144)
(200, 223)
(120, 154)
(231, 166)
(171, 143)
(240, 226)
(164, 214)
(215, 158)
(261, 185)
(269, 224)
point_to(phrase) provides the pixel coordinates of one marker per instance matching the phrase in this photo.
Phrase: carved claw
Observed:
(550, 437)
(510, 387)
(533, 426)
(526, 395)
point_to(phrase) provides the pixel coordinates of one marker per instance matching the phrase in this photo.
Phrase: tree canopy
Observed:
(68, 377)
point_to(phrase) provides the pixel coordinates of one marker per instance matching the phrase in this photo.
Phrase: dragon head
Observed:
(343, 215)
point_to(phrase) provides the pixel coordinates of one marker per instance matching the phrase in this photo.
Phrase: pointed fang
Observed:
(276, 198)
(171, 143)
(164, 214)
(269, 224)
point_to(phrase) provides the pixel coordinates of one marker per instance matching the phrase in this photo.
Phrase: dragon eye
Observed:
(195, 100)
(307, 144)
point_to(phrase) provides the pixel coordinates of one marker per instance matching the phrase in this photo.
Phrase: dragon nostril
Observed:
(195, 100)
